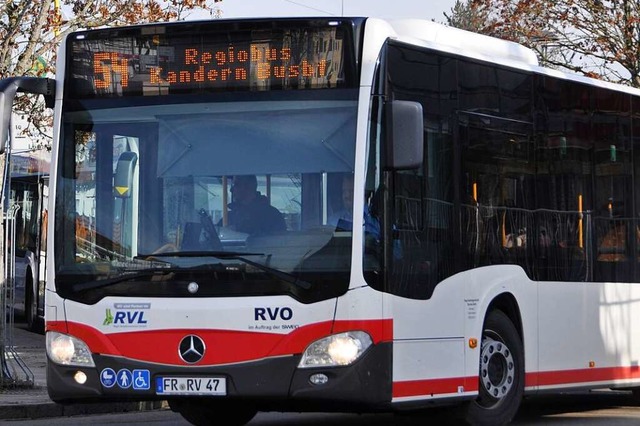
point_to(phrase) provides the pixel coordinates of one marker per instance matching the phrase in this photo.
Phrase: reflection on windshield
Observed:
(172, 184)
(292, 279)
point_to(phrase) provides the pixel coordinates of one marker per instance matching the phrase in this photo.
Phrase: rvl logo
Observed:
(124, 317)
(129, 317)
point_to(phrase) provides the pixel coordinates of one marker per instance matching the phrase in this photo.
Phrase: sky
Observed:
(426, 9)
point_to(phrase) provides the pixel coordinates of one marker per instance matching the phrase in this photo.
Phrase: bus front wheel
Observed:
(501, 378)
(30, 307)
(203, 412)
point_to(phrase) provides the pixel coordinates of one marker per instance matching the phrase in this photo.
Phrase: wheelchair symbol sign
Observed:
(141, 380)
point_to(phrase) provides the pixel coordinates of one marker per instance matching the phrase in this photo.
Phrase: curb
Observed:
(29, 399)
(52, 409)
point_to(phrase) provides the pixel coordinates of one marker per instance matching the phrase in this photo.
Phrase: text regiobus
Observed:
(496, 185)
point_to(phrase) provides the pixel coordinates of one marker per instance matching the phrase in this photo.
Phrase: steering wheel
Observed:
(167, 248)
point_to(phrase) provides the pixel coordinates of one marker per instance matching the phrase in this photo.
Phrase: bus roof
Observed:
(433, 35)
(485, 48)
(462, 40)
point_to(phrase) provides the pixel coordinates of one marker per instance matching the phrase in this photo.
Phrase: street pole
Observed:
(4, 288)
(56, 28)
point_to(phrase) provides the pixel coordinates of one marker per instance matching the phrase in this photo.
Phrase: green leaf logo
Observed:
(108, 319)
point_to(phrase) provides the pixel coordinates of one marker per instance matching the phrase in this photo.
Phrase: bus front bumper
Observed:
(270, 384)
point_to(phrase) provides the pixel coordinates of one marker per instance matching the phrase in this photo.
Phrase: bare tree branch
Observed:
(598, 38)
(31, 31)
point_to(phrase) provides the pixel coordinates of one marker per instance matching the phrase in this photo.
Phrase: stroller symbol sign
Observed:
(108, 377)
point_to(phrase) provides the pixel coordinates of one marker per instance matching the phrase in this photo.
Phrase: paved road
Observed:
(597, 409)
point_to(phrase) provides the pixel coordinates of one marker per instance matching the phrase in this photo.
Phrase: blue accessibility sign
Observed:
(108, 377)
(124, 378)
(141, 380)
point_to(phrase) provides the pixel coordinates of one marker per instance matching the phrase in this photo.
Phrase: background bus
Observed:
(26, 217)
(505, 262)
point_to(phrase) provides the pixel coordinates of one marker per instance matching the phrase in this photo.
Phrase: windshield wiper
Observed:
(93, 285)
(198, 253)
(284, 276)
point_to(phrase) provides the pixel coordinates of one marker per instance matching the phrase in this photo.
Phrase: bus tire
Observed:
(203, 412)
(501, 380)
(30, 311)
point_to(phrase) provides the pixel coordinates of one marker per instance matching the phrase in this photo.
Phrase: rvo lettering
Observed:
(272, 314)
(129, 317)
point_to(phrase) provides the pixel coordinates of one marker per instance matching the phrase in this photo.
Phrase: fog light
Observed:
(318, 379)
(80, 377)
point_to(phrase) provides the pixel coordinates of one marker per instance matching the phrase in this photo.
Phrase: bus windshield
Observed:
(200, 181)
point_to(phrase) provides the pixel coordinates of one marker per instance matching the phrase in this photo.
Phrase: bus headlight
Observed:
(337, 350)
(68, 350)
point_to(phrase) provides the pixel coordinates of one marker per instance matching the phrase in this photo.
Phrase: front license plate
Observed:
(191, 386)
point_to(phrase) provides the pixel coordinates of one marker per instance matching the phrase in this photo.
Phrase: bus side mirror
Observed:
(123, 179)
(408, 135)
(8, 89)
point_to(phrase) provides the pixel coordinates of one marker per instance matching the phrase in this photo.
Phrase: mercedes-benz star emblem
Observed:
(191, 349)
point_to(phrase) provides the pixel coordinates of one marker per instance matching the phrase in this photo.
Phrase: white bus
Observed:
(503, 260)
(25, 231)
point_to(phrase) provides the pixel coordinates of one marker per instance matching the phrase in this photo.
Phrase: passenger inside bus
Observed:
(611, 228)
(342, 218)
(250, 211)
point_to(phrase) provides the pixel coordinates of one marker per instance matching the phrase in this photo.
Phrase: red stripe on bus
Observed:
(444, 386)
(161, 346)
(224, 346)
(585, 375)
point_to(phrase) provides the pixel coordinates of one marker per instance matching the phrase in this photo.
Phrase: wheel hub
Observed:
(497, 368)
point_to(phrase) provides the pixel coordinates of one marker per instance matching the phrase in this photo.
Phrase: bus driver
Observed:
(250, 211)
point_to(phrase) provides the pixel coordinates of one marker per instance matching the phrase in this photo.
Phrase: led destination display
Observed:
(158, 64)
